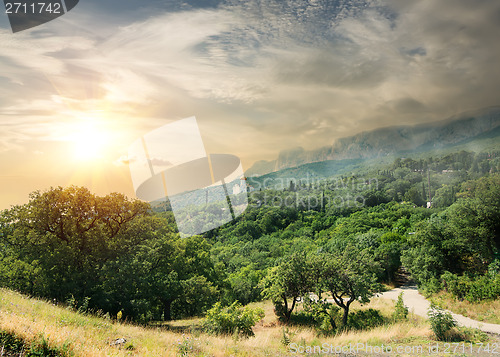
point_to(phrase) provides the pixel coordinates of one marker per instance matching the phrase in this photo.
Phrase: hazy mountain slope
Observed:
(311, 172)
(391, 140)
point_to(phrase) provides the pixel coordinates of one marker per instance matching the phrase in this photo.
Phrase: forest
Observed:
(437, 218)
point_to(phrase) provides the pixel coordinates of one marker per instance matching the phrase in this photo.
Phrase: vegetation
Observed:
(28, 319)
(486, 310)
(400, 310)
(313, 248)
(441, 322)
(234, 319)
(12, 344)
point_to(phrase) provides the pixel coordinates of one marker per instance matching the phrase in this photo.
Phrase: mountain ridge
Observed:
(388, 141)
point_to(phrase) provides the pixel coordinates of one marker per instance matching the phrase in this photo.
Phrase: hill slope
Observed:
(29, 319)
(392, 140)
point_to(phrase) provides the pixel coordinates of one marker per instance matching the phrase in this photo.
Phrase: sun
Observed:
(89, 141)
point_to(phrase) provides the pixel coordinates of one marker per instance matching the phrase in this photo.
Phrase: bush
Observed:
(303, 318)
(365, 319)
(400, 310)
(11, 342)
(286, 337)
(441, 321)
(432, 286)
(473, 335)
(13, 345)
(323, 315)
(486, 287)
(231, 319)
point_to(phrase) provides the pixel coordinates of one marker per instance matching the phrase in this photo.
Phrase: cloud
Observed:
(275, 73)
(155, 161)
(158, 161)
(124, 160)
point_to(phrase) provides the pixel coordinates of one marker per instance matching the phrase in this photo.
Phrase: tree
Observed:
(286, 282)
(245, 284)
(388, 253)
(462, 239)
(444, 196)
(349, 276)
(413, 195)
(71, 234)
(177, 275)
(425, 259)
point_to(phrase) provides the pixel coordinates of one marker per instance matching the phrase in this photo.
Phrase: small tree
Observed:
(441, 321)
(351, 276)
(286, 283)
(400, 310)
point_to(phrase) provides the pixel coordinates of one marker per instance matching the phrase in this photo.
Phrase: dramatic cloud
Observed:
(261, 76)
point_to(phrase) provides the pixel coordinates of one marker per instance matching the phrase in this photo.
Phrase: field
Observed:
(35, 321)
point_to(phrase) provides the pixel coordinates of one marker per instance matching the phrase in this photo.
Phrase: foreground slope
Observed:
(31, 319)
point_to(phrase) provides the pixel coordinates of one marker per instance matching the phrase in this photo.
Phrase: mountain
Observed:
(390, 141)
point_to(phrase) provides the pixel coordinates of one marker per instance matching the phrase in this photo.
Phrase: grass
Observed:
(29, 320)
(485, 311)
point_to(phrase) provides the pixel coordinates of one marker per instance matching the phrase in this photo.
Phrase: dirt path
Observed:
(419, 306)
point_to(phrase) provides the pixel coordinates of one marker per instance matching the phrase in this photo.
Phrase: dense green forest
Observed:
(344, 235)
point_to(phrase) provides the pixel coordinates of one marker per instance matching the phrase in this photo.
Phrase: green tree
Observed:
(413, 195)
(286, 283)
(388, 253)
(71, 234)
(349, 276)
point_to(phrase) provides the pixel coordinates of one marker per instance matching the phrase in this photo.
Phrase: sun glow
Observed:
(89, 141)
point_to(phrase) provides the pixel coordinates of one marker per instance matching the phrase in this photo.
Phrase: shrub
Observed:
(441, 321)
(494, 268)
(365, 319)
(41, 348)
(473, 290)
(286, 337)
(432, 286)
(323, 315)
(13, 345)
(483, 288)
(473, 335)
(400, 310)
(11, 342)
(226, 320)
(84, 307)
(303, 318)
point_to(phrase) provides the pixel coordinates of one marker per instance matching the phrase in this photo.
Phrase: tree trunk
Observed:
(167, 314)
(346, 315)
(346, 312)
(291, 309)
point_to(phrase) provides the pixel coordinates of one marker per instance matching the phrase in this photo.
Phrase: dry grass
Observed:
(486, 311)
(90, 336)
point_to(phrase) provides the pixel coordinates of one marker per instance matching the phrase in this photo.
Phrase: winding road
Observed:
(419, 305)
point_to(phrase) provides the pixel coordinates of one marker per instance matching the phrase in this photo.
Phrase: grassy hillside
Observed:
(66, 332)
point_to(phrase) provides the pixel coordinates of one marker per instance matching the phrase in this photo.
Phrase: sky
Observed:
(260, 77)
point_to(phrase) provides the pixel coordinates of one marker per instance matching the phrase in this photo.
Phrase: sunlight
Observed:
(89, 141)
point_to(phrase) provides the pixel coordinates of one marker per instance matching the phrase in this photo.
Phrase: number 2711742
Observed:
(33, 8)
